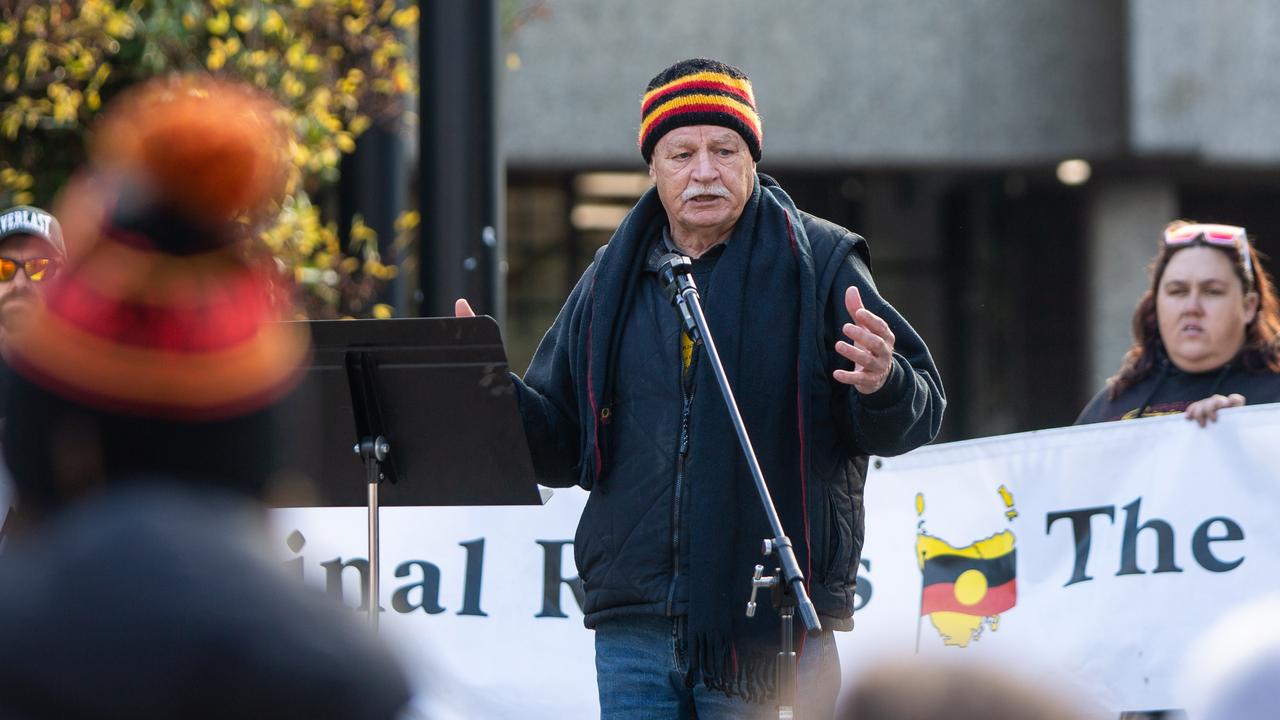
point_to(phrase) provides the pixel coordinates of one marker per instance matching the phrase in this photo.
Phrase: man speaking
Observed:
(619, 400)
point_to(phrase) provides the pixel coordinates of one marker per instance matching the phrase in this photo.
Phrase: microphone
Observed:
(674, 271)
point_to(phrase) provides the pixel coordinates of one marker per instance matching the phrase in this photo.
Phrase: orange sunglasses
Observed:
(37, 269)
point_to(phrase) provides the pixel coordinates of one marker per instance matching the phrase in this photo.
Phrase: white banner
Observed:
(1130, 539)
(1095, 554)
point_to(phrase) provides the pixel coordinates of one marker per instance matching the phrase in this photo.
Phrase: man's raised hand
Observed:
(869, 347)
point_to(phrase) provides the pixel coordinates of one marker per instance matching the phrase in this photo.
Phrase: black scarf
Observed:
(763, 318)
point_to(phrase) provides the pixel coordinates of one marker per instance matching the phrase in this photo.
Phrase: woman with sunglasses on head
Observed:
(1205, 333)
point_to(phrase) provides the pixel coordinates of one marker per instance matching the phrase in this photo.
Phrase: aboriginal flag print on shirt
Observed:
(979, 579)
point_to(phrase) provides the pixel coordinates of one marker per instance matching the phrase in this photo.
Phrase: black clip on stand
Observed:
(374, 450)
(789, 592)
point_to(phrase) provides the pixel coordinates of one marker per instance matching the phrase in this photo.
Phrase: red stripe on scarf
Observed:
(591, 389)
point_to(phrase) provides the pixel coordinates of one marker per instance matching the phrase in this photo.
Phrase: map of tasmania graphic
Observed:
(964, 589)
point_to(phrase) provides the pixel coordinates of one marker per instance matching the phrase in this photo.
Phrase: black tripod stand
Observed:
(787, 581)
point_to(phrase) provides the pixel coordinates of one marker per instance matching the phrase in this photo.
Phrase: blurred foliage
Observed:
(515, 14)
(338, 66)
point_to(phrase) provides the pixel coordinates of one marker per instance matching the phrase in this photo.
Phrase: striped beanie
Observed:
(157, 350)
(699, 92)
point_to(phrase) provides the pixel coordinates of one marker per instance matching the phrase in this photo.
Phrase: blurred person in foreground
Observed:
(1205, 333)
(620, 401)
(919, 689)
(140, 442)
(1232, 670)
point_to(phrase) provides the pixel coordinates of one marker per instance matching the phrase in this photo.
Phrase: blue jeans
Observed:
(642, 663)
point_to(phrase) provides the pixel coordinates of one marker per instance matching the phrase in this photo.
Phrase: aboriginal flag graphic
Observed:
(979, 579)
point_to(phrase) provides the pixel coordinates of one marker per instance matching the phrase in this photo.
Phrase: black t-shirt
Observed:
(1168, 390)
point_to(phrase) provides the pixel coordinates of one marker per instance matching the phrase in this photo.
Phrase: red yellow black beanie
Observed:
(157, 350)
(699, 92)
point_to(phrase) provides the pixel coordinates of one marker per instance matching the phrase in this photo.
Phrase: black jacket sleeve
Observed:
(906, 412)
(548, 394)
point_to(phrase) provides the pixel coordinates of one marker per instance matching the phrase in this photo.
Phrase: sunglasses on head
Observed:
(37, 269)
(1232, 236)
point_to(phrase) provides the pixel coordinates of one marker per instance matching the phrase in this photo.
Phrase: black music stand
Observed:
(430, 409)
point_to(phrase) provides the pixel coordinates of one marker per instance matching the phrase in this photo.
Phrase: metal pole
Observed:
(461, 171)
(786, 664)
(373, 554)
(375, 184)
(372, 452)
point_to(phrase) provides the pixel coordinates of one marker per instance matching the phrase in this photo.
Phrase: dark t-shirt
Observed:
(1168, 390)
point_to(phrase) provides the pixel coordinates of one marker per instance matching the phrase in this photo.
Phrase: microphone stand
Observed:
(787, 583)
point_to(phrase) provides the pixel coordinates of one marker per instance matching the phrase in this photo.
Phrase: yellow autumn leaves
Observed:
(19, 184)
(54, 63)
(335, 65)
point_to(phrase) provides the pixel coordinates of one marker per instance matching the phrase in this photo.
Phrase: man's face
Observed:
(20, 296)
(704, 175)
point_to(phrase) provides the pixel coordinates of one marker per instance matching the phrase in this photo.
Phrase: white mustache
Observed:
(694, 191)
